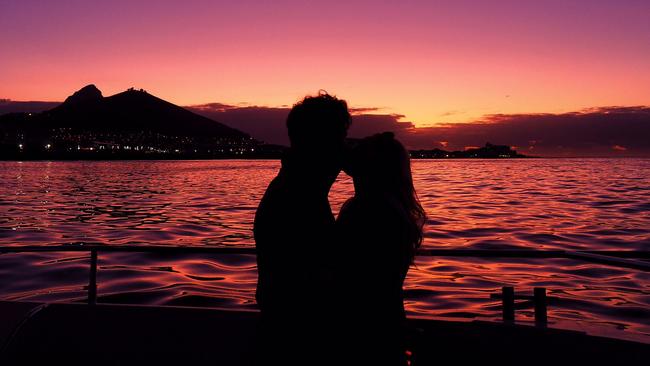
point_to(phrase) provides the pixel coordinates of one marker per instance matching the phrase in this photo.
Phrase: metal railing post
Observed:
(508, 304)
(539, 298)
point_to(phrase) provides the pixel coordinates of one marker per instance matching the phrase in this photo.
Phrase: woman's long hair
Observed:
(384, 168)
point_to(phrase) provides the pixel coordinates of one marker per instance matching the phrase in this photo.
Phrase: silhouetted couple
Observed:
(330, 290)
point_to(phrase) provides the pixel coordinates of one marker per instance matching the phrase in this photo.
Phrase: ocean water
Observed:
(575, 204)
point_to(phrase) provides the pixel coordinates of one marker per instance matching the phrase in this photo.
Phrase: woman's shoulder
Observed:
(356, 206)
(374, 228)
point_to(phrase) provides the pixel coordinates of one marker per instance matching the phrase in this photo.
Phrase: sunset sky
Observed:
(432, 61)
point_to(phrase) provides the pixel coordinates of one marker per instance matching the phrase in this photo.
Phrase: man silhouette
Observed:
(294, 229)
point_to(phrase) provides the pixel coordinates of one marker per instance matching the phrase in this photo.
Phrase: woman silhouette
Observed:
(380, 230)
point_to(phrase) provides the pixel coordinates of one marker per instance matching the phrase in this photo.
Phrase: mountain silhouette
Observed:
(88, 93)
(129, 125)
(132, 110)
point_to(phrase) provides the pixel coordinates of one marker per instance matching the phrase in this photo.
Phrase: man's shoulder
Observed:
(273, 200)
(276, 190)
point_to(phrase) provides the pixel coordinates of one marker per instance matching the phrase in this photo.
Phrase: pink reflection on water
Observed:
(534, 204)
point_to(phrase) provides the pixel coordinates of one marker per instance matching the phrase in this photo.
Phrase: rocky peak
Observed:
(85, 94)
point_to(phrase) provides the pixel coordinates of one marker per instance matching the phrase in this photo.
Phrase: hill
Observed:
(130, 123)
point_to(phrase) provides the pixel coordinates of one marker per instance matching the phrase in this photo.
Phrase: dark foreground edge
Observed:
(81, 334)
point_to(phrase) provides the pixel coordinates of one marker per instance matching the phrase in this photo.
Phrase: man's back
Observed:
(293, 230)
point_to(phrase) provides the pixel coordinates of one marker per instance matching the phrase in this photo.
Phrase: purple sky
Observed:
(432, 61)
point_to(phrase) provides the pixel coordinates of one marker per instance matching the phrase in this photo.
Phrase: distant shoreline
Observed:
(489, 151)
(262, 158)
(102, 157)
(174, 158)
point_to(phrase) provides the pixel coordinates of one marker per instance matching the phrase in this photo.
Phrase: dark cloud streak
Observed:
(268, 123)
(603, 131)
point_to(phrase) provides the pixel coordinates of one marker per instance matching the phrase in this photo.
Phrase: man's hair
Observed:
(318, 120)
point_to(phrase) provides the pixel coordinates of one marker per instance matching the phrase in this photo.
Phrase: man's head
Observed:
(319, 122)
(317, 129)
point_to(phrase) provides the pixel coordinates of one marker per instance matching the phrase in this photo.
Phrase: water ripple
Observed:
(504, 204)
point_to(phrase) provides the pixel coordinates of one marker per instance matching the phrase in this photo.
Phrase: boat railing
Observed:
(638, 260)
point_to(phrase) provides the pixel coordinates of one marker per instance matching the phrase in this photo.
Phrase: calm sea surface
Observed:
(482, 204)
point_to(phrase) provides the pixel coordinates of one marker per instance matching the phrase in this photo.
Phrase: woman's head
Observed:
(381, 169)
